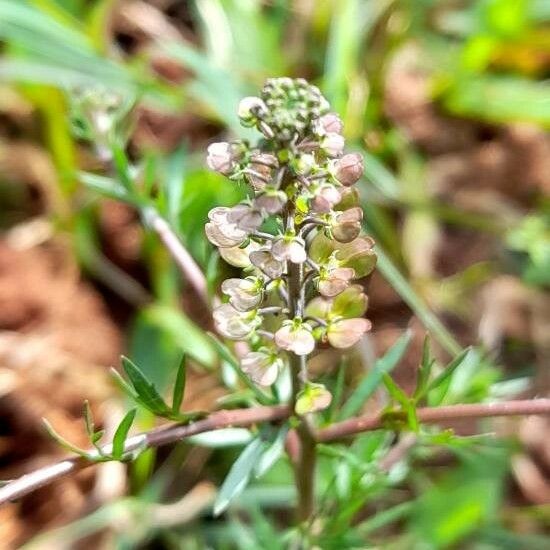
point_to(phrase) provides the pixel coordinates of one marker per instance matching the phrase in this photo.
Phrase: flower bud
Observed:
(296, 337)
(291, 249)
(330, 124)
(250, 109)
(262, 366)
(220, 158)
(312, 398)
(333, 144)
(234, 324)
(349, 169)
(347, 332)
(264, 260)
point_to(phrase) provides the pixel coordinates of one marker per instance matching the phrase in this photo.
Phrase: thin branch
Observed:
(187, 265)
(434, 415)
(248, 417)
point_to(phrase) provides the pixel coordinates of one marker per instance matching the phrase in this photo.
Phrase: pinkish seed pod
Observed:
(298, 340)
(349, 169)
(347, 332)
(220, 158)
(313, 398)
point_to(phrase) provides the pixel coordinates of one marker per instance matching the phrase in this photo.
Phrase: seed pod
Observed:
(346, 225)
(347, 332)
(312, 398)
(295, 337)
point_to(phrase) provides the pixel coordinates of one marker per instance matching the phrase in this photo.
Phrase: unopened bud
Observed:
(250, 109)
(331, 124)
(349, 169)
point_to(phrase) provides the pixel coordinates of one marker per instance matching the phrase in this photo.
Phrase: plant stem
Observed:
(185, 262)
(247, 417)
(304, 468)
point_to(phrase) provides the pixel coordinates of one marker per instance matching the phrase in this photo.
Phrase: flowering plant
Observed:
(297, 238)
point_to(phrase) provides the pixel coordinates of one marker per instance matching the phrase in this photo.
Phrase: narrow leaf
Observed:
(239, 475)
(398, 395)
(121, 433)
(424, 371)
(148, 395)
(373, 379)
(272, 453)
(88, 420)
(449, 369)
(64, 442)
(179, 386)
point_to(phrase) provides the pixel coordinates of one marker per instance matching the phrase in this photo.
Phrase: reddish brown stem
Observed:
(248, 417)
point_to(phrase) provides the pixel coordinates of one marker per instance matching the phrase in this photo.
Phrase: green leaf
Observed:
(88, 419)
(424, 371)
(147, 393)
(179, 386)
(239, 475)
(64, 442)
(403, 399)
(121, 433)
(372, 380)
(449, 370)
(272, 453)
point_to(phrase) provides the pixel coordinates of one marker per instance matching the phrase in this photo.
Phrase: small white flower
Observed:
(271, 201)
(245, 217)
(333, 144)
(223, 232)
(244, 294)
(233, 324)
(220, 158)
(296, 338)
(292, 250)
(262, 366)
(264, 260)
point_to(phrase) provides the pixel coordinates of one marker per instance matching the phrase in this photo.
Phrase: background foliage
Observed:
(447, 100)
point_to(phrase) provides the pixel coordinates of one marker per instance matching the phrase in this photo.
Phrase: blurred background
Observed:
(448, 100)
